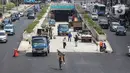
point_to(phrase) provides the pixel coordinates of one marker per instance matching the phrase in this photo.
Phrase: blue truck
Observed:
(40, 45)
(63, 29)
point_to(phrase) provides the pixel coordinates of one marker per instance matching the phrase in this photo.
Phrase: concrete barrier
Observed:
(24, 46)
(94, 32)
(27, 36)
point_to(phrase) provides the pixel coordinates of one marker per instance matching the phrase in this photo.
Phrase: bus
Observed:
(100, 9)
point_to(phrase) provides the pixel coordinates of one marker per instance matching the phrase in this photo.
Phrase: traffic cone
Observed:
(16, 53)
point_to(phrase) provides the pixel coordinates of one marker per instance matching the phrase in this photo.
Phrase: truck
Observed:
(77, 25)
(40, 45)
(85, 35)
(63, 29)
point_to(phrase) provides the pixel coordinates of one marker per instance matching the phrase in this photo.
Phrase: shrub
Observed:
(10, 5)
(43, 11)
(31, 26)
(0, 6)
(93, 24)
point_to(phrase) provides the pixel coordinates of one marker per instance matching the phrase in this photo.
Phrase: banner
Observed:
(29, 1)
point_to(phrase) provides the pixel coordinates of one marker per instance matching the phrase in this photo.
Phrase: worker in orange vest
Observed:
(101, 45)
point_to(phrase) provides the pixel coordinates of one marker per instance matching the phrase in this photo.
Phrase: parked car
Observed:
(9, 29)
(103, 23)
(6, 21)
(113, 26)
(31, 16)
(94, 16)
(15, 17)
(21, 13)
(3, 36)
(121, 30)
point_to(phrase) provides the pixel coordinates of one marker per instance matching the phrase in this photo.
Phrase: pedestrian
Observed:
(61, 58)
(69, 36)
(76, 40)
(101, 45)
(64, 42)
(104, 46)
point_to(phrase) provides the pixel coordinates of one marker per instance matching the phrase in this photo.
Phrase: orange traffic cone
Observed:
(16, 53)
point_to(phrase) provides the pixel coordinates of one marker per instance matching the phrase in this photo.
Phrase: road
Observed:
(6, 51)
(75, 62)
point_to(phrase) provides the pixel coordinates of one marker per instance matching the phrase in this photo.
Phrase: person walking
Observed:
(64, 42)
(69, 37)
(76, 40)
(61, 58)
(104, 46)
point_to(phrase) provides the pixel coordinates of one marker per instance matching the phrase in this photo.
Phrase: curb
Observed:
(110, 50)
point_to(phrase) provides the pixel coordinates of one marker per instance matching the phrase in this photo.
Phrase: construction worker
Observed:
(61, 59)
(101, 45)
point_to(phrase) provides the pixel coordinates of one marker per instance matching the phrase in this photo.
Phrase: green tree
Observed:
(10, 5)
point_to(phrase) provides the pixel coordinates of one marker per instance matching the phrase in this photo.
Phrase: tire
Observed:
(116, 33)
(124, 34)
(46, 53)
(33, 54)
(6, 41)
(13, 33)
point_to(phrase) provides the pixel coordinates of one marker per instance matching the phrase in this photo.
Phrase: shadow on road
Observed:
(36, 55)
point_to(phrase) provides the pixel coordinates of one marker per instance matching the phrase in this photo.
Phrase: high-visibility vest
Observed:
(101, 44)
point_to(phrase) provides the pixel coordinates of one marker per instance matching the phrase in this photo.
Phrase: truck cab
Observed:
(40, 45)
(63, 29)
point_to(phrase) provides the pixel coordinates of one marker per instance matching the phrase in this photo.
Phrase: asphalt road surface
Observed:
(117, 62)
(6, 49)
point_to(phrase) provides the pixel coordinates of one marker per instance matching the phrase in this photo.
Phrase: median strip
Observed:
(93, 24)
(31, 26)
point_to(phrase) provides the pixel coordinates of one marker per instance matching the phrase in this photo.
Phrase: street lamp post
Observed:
(17, 4)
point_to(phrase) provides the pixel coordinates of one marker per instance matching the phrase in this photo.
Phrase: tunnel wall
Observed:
(62, 15)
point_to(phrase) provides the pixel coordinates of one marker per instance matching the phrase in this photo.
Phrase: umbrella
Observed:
(60, 52)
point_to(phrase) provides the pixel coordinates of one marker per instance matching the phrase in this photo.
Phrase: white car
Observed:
(94, 16)
(21, 13)
(84, 6)
(3, 36)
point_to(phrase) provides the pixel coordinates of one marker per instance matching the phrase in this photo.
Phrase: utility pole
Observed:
(17, 4)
